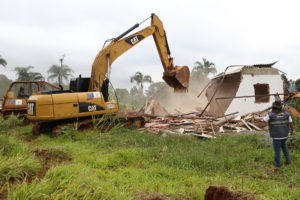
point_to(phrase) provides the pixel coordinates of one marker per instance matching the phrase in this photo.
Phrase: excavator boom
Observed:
(89, 96)
(176, 77)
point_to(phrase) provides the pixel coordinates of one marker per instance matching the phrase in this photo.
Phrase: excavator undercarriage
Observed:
(102, 123)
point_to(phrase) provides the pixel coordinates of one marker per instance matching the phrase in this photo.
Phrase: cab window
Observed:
(22, 90)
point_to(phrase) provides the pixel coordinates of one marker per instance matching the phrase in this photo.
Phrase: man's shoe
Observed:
(288, 162)
(276, 169)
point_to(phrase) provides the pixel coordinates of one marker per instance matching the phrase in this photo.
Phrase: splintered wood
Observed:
(158, 121)
(206, 126)
(180, 126)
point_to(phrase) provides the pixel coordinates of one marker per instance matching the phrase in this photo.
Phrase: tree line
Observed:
(136, 96)
(62, 72)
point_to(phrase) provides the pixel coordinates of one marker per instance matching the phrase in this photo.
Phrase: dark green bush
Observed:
(294, 142)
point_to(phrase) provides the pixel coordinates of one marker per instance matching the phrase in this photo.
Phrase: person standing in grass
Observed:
(280, 124)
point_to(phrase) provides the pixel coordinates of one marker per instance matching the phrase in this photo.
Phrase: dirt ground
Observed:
(223, 193)
(50, 157)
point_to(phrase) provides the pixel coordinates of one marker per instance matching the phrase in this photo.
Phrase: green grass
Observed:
(12, 121)
(126, 164)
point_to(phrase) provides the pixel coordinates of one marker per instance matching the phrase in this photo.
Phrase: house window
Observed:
(262, 92)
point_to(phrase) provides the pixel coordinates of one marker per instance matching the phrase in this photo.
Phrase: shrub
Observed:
(10, 122)
(293, 142)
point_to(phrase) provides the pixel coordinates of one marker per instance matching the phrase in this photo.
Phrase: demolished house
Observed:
(237, 101)
(245, 90)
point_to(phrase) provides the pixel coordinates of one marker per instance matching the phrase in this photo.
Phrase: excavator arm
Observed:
(176, 77)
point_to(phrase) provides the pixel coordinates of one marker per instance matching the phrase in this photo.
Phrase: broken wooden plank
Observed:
(224, 120)
(183, 123)
(226, 115)
(212, 128)
(245, 123)
(202, 135)
(257, 128)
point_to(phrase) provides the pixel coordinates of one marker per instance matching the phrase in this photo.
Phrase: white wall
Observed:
(247, 105)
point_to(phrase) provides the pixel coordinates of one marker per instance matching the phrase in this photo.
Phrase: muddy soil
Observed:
(50, 157)
(223, 193)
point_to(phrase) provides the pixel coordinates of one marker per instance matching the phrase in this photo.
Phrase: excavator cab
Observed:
(16, 98)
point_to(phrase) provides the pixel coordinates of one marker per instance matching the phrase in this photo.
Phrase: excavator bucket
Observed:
(178, 78)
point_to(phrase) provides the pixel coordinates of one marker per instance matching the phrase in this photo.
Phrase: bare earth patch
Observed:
(50, 157)
(223, 193)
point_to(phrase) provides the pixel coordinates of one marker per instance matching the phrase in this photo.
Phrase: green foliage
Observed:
(2, 61)
(106, 123)
(140, 79)
(293, 142)
(11, 122)
(155, 88)
(297, 85)
(4, 83)
(124, 98)
(201, 70)
(60, 72)
(137, 99)
(16, 160)
(24, 74)
(285, 80)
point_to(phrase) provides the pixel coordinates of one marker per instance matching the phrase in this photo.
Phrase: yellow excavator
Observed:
(89, 96)
(291, 101)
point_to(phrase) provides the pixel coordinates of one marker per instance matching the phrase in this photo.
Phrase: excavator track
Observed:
(99, 123)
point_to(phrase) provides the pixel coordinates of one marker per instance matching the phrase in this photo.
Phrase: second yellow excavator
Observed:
(89, 96)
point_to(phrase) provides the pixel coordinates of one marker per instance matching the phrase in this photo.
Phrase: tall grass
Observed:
(125, 164)
(11, 122)
(16, 160)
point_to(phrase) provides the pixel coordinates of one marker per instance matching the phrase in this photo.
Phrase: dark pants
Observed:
(277, 145)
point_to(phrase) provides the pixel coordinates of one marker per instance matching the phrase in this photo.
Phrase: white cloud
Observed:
(229, 32)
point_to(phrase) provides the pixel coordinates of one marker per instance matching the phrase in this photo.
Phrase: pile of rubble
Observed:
(158, 121)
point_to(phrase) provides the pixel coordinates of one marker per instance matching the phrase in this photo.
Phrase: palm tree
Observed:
(24, 74)
(2, 61)
(60, 72)
(140, 79)
(203, 69)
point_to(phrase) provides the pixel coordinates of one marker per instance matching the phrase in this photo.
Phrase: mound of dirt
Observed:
(223, 193)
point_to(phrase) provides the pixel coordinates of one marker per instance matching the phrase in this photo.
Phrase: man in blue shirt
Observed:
(280, 124)
(22, 94)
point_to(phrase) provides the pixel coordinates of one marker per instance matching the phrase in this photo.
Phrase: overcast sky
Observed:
(37, 33)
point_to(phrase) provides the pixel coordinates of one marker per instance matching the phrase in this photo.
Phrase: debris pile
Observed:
(153, 107)
(158, 121)
(249, 122)
(187, 125)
